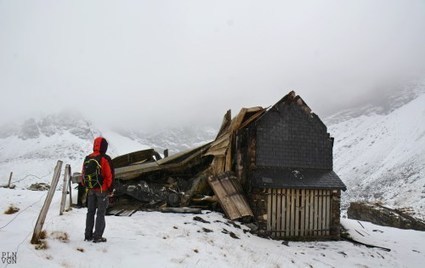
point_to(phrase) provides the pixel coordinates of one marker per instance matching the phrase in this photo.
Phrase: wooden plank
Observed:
(231, 199)
(320, 214)
(228, 166)
(324, 213)
(127, 212)
(278, 212)
(257, 114)
(218, 152)
(219, 147)
(70, 189)
(306, 211)
(328, 212)
(174, 163)
(297, 212)
(269, 209)
(225, 124)
(288, 212)
(237, 121)
(66, 177)
(325, 227)
(68, 204)
(134, 157)
(313, 212)
(311, 208)
(43, 213)
(302, 215)
(218, 164)
(316, 212)
(274, 212)
(236, 196)
(283, 212)
(292, 212)
(115, 212)
(181, 210)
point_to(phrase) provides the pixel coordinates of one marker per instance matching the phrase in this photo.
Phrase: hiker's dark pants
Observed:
(96, 200)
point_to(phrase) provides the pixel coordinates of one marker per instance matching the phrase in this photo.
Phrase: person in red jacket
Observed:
(98, 197)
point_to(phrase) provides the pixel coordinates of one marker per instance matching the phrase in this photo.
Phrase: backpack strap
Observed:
(97, 159)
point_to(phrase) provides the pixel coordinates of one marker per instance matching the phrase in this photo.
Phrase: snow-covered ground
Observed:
(153, 239)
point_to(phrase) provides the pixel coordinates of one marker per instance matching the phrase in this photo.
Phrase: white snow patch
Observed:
(154, 239)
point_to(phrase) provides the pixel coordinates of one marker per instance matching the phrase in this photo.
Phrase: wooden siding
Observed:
(230, 196)
(298, 213)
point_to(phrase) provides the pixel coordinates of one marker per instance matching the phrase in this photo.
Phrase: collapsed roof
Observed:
(188, 177)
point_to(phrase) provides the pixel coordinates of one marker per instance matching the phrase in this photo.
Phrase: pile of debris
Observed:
(200, 178)
(39, 186)
(147, 181)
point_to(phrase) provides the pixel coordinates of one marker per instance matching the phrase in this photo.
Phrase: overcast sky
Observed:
(165, 63)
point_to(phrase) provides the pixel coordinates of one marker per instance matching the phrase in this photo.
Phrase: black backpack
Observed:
(93, 172)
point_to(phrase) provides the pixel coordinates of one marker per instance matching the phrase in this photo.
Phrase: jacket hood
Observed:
(100, 145)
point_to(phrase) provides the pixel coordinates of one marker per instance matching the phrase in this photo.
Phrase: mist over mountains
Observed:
(379, 148)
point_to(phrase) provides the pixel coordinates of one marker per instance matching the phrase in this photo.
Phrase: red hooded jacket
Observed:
(100, 146)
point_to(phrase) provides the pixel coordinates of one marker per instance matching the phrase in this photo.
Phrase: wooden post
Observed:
(10, 179)
(66, 177)
(70, 188)
(43, 213)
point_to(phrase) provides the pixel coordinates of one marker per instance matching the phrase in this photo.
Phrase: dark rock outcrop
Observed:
(378, 214)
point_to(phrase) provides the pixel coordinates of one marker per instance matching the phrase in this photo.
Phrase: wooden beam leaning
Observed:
(43, 213)
(66, 177)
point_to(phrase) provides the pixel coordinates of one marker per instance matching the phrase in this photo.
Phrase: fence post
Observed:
(70, 188)
(64, 189)
(10, 179)
(43, 213)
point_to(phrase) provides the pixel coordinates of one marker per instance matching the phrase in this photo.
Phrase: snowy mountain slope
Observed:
(381, 156)
(153, 239)
(31, 150)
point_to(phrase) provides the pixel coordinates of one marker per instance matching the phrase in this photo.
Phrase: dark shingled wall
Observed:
(287, 136)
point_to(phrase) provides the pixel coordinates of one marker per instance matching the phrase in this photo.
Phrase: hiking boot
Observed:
(87, 238)
(99, 240)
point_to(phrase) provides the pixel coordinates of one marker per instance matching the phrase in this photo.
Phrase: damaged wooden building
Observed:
(271, 166)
